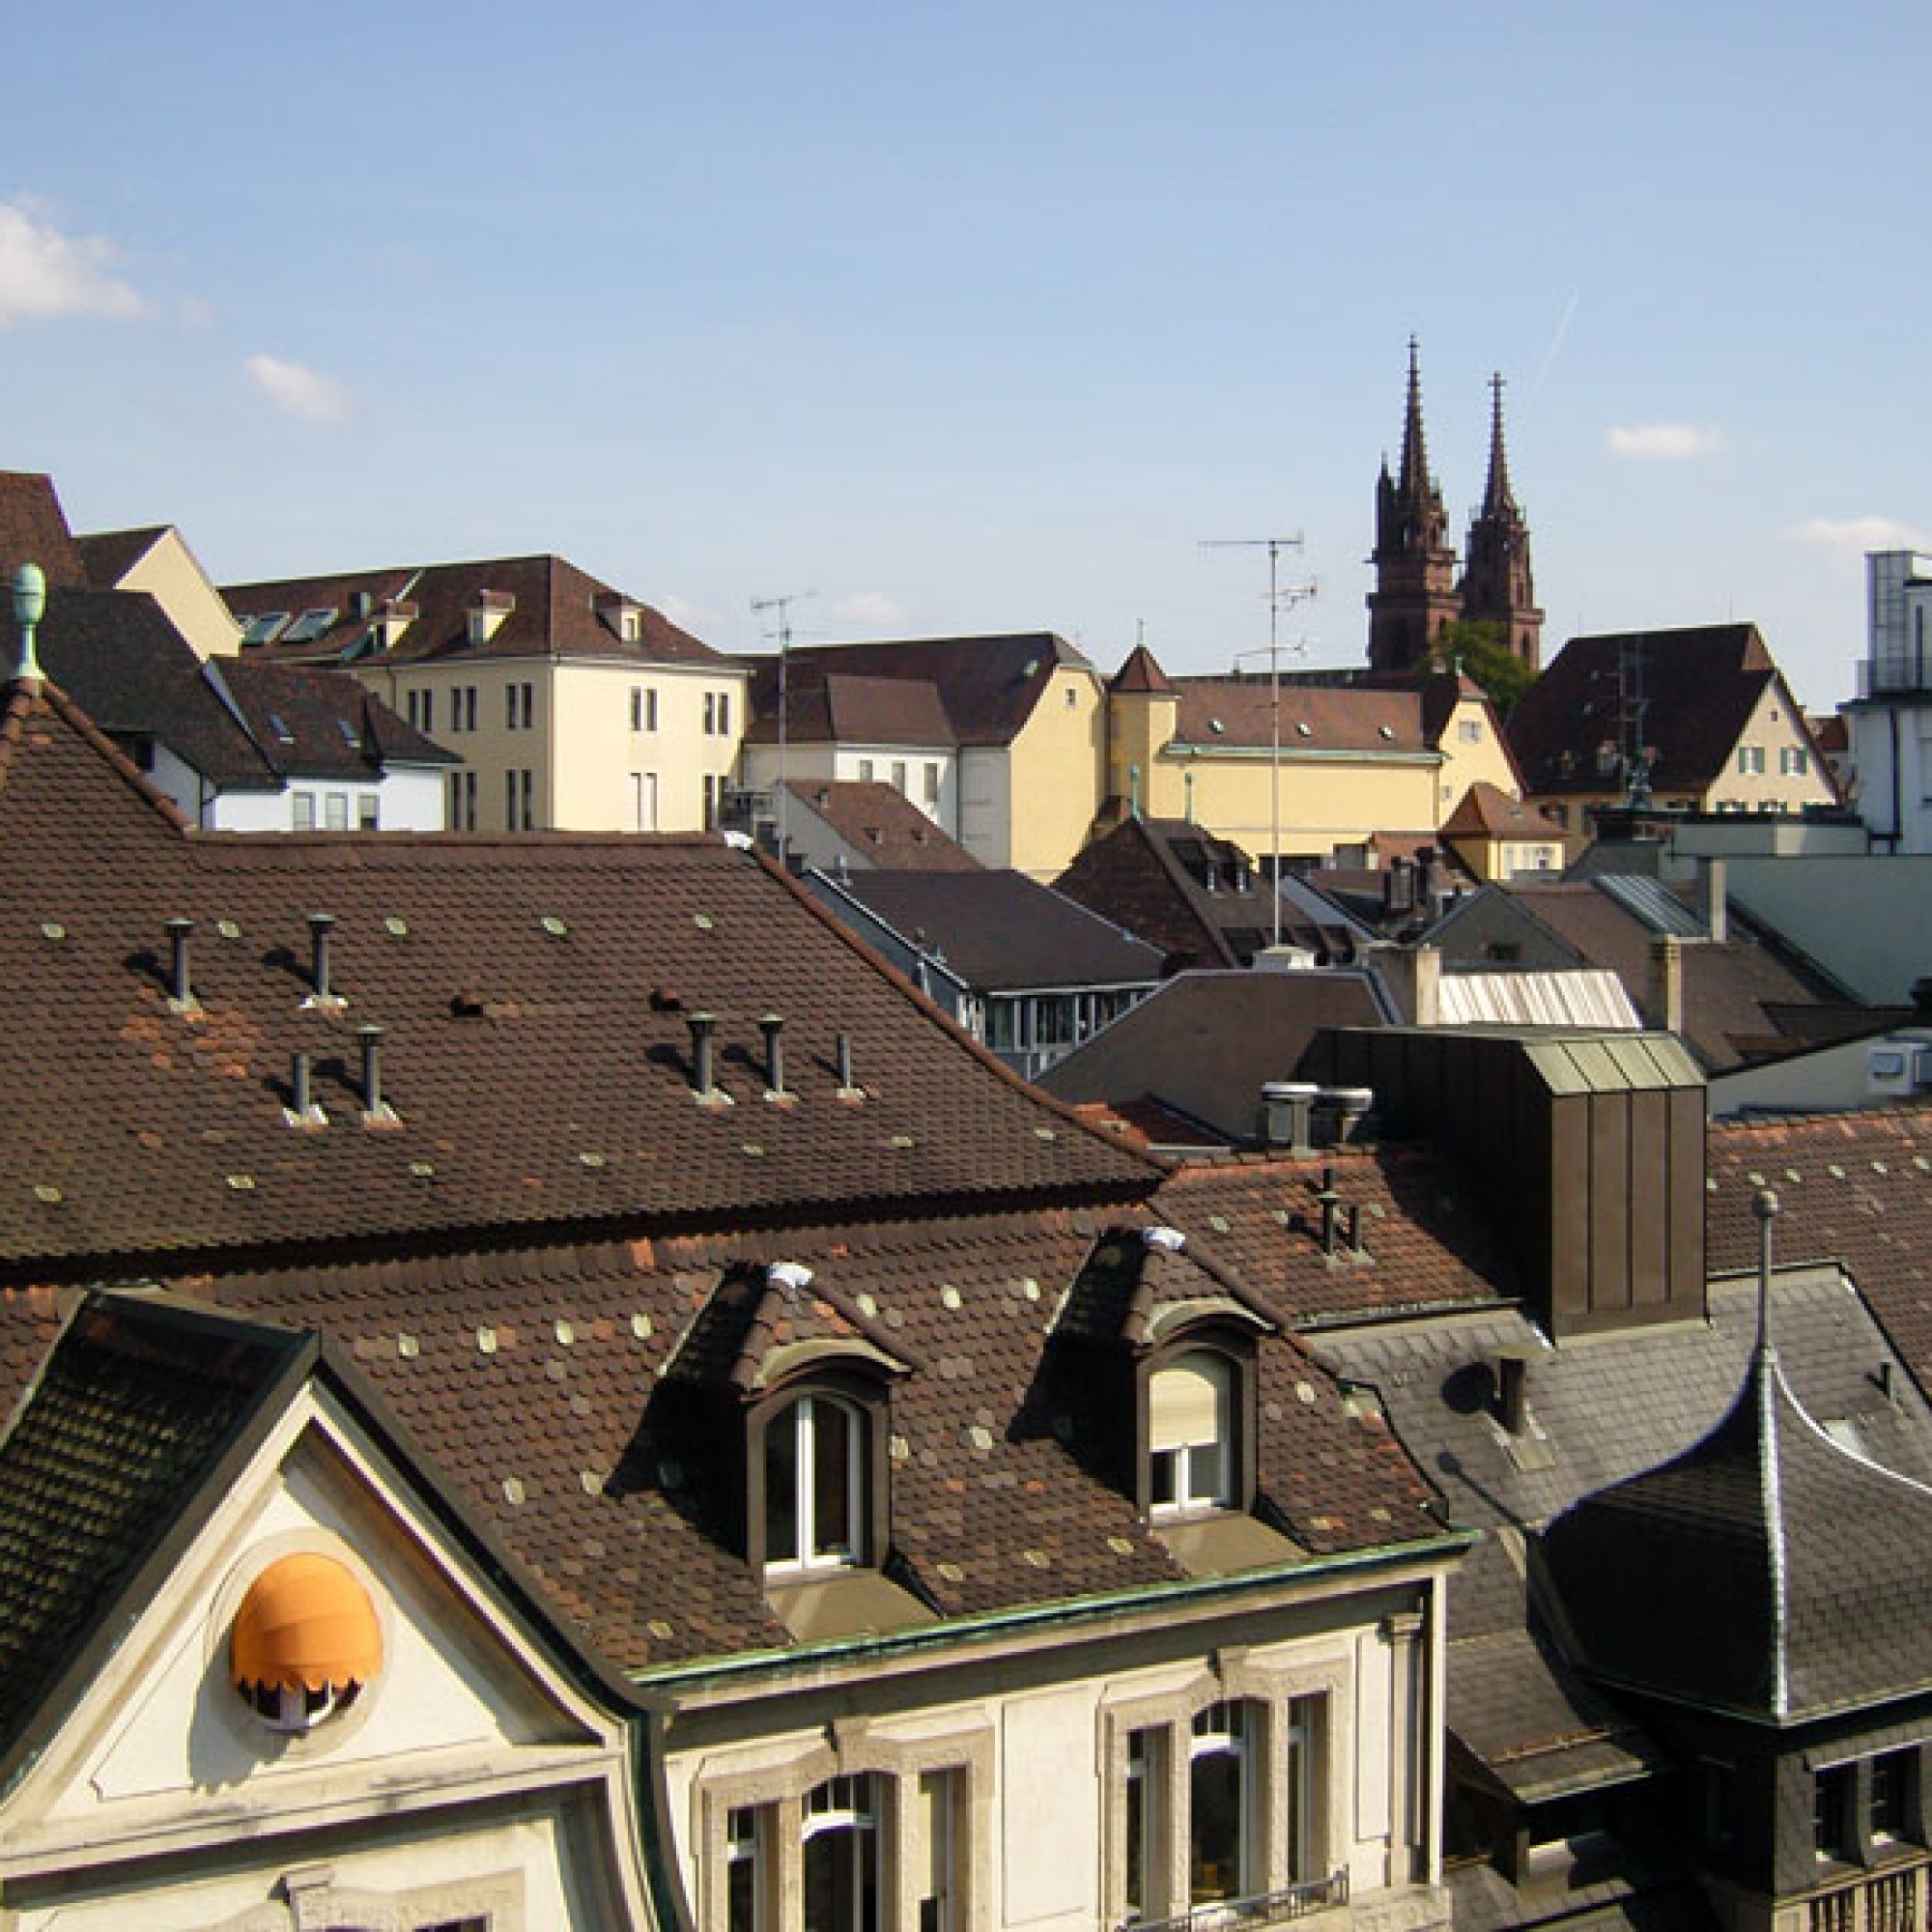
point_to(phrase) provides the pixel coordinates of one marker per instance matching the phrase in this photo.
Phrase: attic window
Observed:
(263, 630)
(1190, 1434)
(310, 625)
(305, 1642)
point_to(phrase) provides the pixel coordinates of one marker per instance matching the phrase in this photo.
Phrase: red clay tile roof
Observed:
(1486, 812)
(34, 529)
(557, 614)
(1141, 672)
(843, 708)
(883, 824)
(1313, 718)
(534, 994)
(988, 686)
(316, 724)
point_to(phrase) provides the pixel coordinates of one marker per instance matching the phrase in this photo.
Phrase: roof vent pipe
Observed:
(1513, 1392)
(842, 1051)
(181, 988)
(320, 925)
(703, 1037)
(1339, 1113)
(772, 1026)
(371, 1037)
(303, 1111)
(1330, 1204)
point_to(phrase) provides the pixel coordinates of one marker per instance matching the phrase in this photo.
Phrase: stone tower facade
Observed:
(1497, 584)
(1417, 595)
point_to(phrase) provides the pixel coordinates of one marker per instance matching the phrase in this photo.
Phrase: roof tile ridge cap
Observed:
(930, 1009)
(1770, 1498)
(98, 741)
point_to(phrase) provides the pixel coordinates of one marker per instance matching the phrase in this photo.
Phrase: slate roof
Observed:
(34, 529)
(1485, 812)
(883, 825)
(1813, 1591)
(323, 724)
(535, 993)
(988, 686)
(1004, 932)
(1699, 686)
(130, 1414)
(1204, 1042)
(556, 615)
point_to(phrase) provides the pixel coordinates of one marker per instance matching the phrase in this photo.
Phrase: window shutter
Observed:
(1188, 1401)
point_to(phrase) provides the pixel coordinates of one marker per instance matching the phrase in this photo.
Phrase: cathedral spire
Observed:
(1498, 586)
(1497, 498)
(1415, 570)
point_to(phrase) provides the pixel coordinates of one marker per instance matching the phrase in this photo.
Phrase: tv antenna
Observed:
(782, 606)
(1280, 597)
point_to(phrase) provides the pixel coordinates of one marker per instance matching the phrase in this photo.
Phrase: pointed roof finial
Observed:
(1765, 1205)
(1497, 498)
(1414, 452)
(30, 603)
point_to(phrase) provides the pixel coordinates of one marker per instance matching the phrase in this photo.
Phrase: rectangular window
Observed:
(723, 714)
(1303, 1755)
(1221, 1803)
(643, 801)
(519, 706)
(463, 800)
(747, 1868)
(938, 1803)
(1143, 1892)
(712, 789)
(1833, 1820)
(932, 784)
(304, 804)
(717, 713)
(1751, 760)
(636, 709)
(1471, 732)
(462, 708)
(864, 771)
(367, 811)
(335, 811)
(899, 775)
(1894, 1781)
(519, 800)
(1794, 760)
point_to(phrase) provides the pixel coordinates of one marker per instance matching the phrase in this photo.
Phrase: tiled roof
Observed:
(1699, 687)
(884, 825)
(130, 1409)
(558, 613)
(988, 686)
(1425, 1243)
(535, 1381)
(1238, 711)
(1204, 1042)
(1854, 1189)
(1813, 1588)
(1484, 811)
(34, 529)
(1001, 932)
(535, 994)
(829, 707)
(1740, 997)
(1142, 673)
(323, 724)
(108, 555)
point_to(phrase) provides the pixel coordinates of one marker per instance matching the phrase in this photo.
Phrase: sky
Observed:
(943, 320)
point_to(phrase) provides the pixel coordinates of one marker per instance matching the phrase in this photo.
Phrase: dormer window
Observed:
(1191, 1435)
(817, 1485)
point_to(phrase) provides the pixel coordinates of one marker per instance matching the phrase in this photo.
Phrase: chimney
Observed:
(30, 606)
(373, 1106)
(1412, 976)
(1339, 1114)
(1288, 1112)
(1512, 1391)
(1716, 906)
(1664, 990)
(703, 1033)
(320, 925)
(181, 988)
(303, 1111)
(772, 1026)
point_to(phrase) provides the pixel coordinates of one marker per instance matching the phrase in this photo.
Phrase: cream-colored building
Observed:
(572, 706)
(159, 561)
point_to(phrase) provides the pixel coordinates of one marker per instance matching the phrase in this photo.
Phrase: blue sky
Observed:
(984, 318)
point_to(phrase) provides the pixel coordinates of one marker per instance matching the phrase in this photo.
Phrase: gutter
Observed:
(1063, 1613)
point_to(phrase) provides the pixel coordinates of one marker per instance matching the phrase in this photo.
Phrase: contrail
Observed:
(1568, 316)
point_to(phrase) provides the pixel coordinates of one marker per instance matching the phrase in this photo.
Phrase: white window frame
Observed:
(1196, 1472)
(805, 1417)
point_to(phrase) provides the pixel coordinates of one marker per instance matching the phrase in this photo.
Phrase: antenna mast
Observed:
(1280, 597)
(782, 606)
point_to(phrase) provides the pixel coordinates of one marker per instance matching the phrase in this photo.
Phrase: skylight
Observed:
(311, 624)
(265, 628)
(279, 725)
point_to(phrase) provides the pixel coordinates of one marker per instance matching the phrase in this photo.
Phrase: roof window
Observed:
(263, 630)
(279, 725)
(309, 626)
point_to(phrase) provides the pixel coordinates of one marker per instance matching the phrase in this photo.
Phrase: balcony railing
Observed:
(1889, 1902)
(1259, 1909)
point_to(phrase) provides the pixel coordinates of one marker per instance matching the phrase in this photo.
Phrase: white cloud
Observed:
(870, 611)
(1664, 442)
(44, 273)
(300, 392)
(1847, 539)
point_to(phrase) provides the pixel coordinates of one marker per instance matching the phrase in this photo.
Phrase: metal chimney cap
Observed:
(1170, 1240)
(1288, 1089)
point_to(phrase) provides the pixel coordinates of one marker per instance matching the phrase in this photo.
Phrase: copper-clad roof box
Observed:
(305, 1622)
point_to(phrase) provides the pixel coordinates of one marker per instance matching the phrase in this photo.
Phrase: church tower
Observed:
(1498, 587)
(1415, 570)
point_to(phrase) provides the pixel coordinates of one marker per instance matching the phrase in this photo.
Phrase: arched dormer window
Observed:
(817, 1484)
(1192, 1446)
